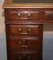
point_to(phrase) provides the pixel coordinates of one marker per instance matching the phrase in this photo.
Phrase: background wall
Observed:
(3, 55)
(47, 39)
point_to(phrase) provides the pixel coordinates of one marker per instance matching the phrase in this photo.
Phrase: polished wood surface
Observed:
(24, 29)
(29, 15)
(32, 1)
(15, 14)
(25, 39)
(10, 4)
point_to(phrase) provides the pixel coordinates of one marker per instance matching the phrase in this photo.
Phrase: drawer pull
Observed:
(29, 14)
(18, 14)
(29, 29)
(24, 33)
(19, 29)
(24, 46)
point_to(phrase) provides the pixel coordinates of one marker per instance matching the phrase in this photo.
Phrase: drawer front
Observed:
(16, 56)
(49, 15)
(41, 15)
(24, 29)
(24, 44)
(15, 14)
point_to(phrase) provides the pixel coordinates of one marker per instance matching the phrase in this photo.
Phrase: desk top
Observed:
(32, 1)
(28, 4)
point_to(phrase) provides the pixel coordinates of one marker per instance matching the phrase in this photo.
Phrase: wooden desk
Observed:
(24, 29)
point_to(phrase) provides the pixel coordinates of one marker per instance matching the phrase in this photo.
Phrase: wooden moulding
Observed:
(10, 4)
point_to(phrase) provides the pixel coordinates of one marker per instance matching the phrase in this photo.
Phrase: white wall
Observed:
(2, 35)
(47, 40)
(1, 18)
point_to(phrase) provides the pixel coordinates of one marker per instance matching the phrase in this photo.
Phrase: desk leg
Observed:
(41, 35)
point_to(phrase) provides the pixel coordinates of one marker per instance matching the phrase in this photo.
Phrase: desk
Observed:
(24, 28)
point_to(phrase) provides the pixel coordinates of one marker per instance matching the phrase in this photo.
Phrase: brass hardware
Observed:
(29, 29)
(19, 29)
(24, 33)
(29, 14)
(24, 46)
(18, 14)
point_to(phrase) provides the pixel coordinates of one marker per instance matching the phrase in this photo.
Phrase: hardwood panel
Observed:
(25, 44)
(24, 29)
(24, 35)
(16, 56)
(29, 15)
(16, 14)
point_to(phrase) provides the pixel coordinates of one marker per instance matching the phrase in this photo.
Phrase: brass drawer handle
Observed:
(18, 14)
(19, 29)
(24, 46)
(24, 33)
(29, 29)
(29, 14)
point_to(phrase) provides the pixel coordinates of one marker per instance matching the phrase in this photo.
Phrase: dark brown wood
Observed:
(24, 31)
(25, 14)
(28, 15)
(17, 56)
(22, 44)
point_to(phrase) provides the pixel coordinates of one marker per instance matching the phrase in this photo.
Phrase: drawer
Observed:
(16, 14)
(49, 15)
(16, 56)
(24, 29)
(24, 44)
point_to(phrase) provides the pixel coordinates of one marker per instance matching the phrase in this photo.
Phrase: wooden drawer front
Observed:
(24, 29)
(14, 14)
(28, 44)
(16, 56)
(49, 15)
